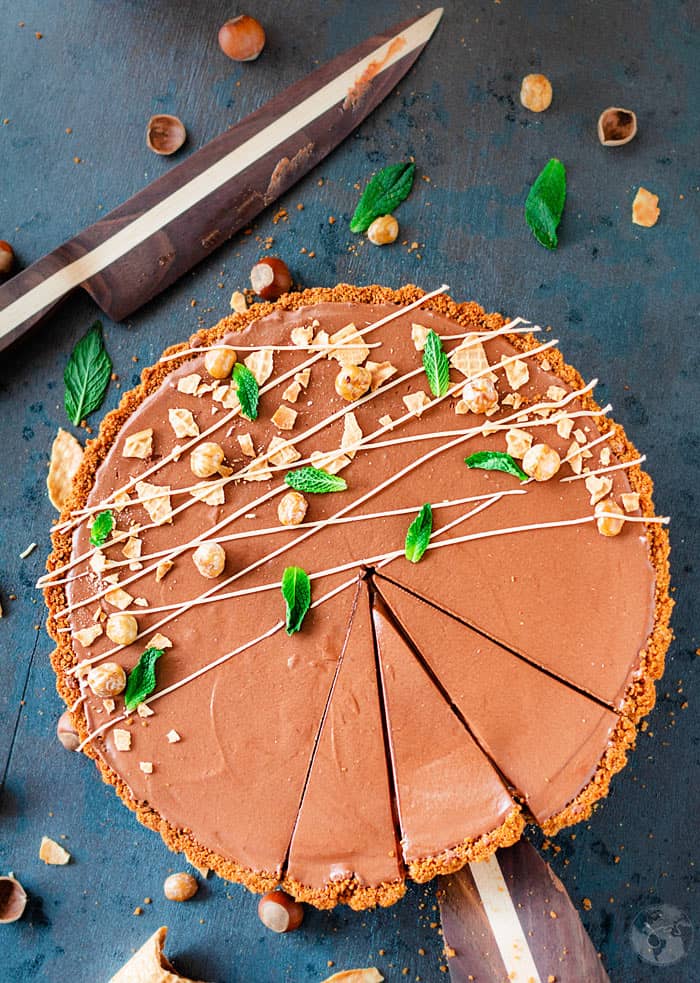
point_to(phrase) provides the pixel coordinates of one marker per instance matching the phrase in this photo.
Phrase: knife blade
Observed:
(144, 245)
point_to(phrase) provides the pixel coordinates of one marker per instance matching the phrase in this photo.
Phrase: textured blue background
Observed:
(623, 301)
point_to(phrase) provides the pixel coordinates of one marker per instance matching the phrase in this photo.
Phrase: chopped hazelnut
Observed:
(107, 679)
(209, 559)
(139, 444)
(66, 732)
(630, 501)
(536, 93)
(52, 853)
(180, 887)
(599, 486)
(206, 459)
(238, 302)
(616, 126)
(645, 208)
(291, 510)
(541, 462)
(280, 913)
(122, 628)
(219, 362)
(609, 525)
(165, 134)
(242, 38)
(480, 395)
(352, 382)
(383, 230)
(518, 442)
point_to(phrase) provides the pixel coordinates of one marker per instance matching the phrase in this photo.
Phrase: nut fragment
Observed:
(165, 134)
(292, 509)
(609, 525)
(280, 913)
(122, 628)
(210, 559)
(352, 382)
(242, 38)
(541, 462)
(383, 230)
(270, 278)
(238, 302)
(180, 887)
(107, 679)
(219, 362)
(536, 93)
(206, 459)
(66, 455)
(13, 900)
(480, 395)
(66, 732)
(7, 258)
(645, 208)
(616, 126)
(52, 853)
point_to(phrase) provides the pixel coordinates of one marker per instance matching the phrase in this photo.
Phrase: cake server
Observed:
(144, 245)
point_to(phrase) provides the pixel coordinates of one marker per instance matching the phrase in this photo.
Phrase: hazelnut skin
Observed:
(616, 126)
(270, 278)
(280, 913)
(7, 258)
(13, 900)
(165, 134)
(242, 38)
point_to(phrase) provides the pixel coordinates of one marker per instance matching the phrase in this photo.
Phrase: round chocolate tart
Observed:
(429, 705)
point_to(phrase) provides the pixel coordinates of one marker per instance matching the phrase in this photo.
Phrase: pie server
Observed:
(143, 246)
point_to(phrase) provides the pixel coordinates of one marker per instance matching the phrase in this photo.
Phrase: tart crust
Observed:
(638, 700)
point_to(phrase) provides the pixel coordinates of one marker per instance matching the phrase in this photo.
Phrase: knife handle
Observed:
(13, 290)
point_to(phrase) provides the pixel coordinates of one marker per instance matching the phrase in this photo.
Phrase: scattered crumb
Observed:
(25, 553)
(53, 853)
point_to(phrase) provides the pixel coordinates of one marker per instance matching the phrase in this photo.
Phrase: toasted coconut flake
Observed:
(209, 492)
(380, 372)
(291, 393)
(303, 378)
(418, 335)
(284, 417)
(630, 501)
(518, 442)
(352, 434)
(173, 737)
(160, 642)
(182, 422)
(556, 393)
(353, 350)
(260, 364)
(245, 442)
(599, 487)
(517, 373)
(66, 455)
(188, 384)
(416, 402)
(158, 505)
(278, 458)
(118, 598)
(86, 636)
(258, 470)
(302, 336)
(163, 569)
(146, 767)
(122, 739)
(139, 444)
(53, 853)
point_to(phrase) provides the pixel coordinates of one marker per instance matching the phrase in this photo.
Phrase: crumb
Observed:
(138, 911)
(587, 904)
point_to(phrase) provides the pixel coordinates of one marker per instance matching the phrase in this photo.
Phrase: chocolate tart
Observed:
(425, 711)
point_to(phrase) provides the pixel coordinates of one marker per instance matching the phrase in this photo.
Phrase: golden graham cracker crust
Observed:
(638, 700)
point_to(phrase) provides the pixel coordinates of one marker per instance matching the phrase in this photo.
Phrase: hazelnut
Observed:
(206, 459)
(383, 230)
(180, 887)
(242, 38)
(165, 134)
(108, 679)
(645, 208)
(7, 258)
(122, 628)
(352, 382)
(210, 559)
(292, 509)
(219, 362)
(480, 395)
(536, 93)
(270, 278)
(541, 462)
(66, 732)
(13, 900)
(609, 525)
(280, 913)
(616, 126)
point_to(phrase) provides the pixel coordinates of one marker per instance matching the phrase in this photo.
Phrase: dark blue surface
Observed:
(623, 301)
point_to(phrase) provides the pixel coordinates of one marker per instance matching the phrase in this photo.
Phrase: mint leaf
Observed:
(418, 535)
(496, 461)
(387, 189)
(314, 481)
(142, 678)
(296, 591)
(436, 365)
(101, 528)
(545, 203)
(86, 375)
(248, 391)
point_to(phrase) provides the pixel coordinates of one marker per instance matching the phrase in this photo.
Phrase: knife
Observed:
(144, 245)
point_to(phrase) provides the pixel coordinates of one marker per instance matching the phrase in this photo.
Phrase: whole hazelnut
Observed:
(206, 459)
(352, 382)
(292, 508)
(536, 93)
(616, 126)
(165, 134)
(219, 362)
(242, 38)
(280, 913)
(270, 278)
(609, 525)
(13, 900)
(122, 628)
(108, 679)
(383, 230)
(541, 462)
(210, 559)
(7, 258)
(66, 732)
(180, 887)
(480, 395)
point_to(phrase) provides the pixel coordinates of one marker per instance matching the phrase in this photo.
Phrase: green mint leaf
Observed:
(296, 591)
(418, 535)
(496, 461)
(314, 481)
(436, 365)
(101, 528)
(86, 375)
(545, 203)
(142, 678)
(248, 391)
(386, 190)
